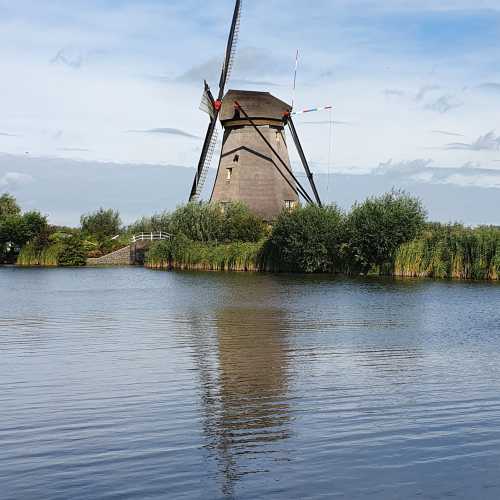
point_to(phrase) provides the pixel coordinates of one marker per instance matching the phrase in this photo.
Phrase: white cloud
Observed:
(487, 142)
(14, 180)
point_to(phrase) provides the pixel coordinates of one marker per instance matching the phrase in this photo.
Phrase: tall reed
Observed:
(452, 251)
(181, 253)
(30, 255)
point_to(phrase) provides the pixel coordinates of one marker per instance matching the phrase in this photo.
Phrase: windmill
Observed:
(254, 166)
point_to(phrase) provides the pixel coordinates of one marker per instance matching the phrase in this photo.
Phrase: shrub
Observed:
(216, 223)
(306, 239)
(16, 230)
(72, 253)
(154, 224)
(101, 226)
(378, 226)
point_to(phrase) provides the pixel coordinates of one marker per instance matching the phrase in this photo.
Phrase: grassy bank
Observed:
(181, 253)
(386, 235)
(31, 255)
(451, 251)
(441, 251)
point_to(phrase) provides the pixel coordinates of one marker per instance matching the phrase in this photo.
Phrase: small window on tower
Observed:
(236, 158)
(229, 173)
(290, 204)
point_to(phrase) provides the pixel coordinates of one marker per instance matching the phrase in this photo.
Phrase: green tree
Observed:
(101, 225)
(198, 221)
(240, 224)
(16, 230)
(378, 226)
(307, 239)
(8, 206)
(72, 253)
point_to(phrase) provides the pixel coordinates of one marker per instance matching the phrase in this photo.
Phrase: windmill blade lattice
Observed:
(230, 49)
(234, 45)
(206, 165)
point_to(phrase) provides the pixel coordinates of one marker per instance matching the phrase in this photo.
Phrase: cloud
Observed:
(250, 65)
(445, 132)
(424, 91)
(478, 180)
(325, 122)
(165, 131)
(425, 171)
(74, 150)
(444, 104)
(394, 92)
(69, 57)
(403, 166)
(261, 83)
(5, 134)
(487, 142)
(489, 86)
(13, 180)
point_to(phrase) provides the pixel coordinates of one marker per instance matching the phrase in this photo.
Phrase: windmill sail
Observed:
(207, 104)
(198, 186)
(212, 107)
(230, 49)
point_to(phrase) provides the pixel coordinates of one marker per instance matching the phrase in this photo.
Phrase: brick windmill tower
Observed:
(254, 165)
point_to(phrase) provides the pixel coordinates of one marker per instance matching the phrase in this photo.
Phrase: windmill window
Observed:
(229, 173)
(236, 158)
(290, 204)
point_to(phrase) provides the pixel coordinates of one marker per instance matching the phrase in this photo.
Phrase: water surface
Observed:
(133, 384)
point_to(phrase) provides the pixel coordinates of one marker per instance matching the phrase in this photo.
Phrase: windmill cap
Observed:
(259, 105)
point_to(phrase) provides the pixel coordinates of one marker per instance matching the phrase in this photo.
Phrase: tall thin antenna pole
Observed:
(295, 76)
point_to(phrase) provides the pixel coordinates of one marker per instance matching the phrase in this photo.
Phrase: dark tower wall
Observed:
(248, 169)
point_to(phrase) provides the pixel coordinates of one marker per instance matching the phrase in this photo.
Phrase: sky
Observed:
(415, 87)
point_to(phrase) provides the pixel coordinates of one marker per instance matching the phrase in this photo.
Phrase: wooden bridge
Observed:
(133, 253)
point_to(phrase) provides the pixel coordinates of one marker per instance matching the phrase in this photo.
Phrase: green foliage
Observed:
(240, 224)
(378, 226)
(451, 251)
(8, 206)
(101, 225)
(183, 253)
(72, 253)
(206, 222)
(68, 251)
(16, 230)
(31, 255)
(307, 239)
(154, 224)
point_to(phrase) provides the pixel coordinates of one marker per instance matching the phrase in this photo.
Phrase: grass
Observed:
(30, 256)
(442, 251)
(181, 253)
(452, 251)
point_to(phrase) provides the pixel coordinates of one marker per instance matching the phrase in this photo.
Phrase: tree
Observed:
(307, 239)
(101, 225)
(240, 224)
(379, 225)
(8, 206)
(16, 230)
(214, 222)
(72, 252)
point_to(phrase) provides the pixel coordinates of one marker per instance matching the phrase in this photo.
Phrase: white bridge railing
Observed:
(150, 237)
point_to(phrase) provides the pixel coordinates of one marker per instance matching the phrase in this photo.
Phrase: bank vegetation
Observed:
(384, 235)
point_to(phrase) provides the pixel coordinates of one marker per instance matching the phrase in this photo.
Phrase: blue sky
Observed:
(414, 83)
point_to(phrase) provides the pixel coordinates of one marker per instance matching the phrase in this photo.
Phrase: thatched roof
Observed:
(256, 104)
